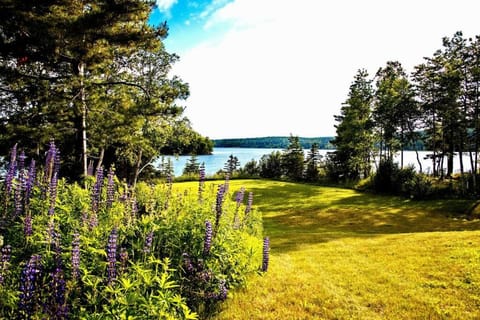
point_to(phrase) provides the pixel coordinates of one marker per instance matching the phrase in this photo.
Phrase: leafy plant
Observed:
(105, 250)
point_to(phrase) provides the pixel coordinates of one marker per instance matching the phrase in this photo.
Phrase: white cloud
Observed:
(165, 5)
(284, 67)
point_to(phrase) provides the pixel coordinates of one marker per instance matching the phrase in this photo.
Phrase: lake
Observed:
(219, 157)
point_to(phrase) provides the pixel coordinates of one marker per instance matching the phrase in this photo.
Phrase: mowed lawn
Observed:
(340, 254)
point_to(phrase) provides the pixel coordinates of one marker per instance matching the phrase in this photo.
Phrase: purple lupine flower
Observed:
(56, 162)
(266, 250)
(222, 291)
(76, 256)
(123, 260)
(148, 242)
(219, 200)
(207, 244)
(93, 222)
(187, 262)
(29, 182)
(239, 196)
(53, 193)
(112, 256)
(12, 168)
(85, 221)
(28, 287)
(97, 190)
(238, 199)
(56, 307)
(110, 187)
(4, 261)
(18, 204)
(5, 257)
(51, 234)
(249, 203)
(201, 184)
(218, 205)
(27, 225)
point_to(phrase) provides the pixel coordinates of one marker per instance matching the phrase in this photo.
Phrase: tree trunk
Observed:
(81, 71)
(100, 159)
(418, 160)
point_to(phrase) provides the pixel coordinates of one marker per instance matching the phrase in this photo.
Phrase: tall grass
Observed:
(340, 254)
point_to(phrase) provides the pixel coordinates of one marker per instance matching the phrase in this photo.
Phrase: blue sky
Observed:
(280, 67)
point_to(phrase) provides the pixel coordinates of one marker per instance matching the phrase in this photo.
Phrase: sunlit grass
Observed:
(339, 254)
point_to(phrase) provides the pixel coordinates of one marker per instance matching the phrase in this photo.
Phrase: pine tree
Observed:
(354, 138)
(293, 159)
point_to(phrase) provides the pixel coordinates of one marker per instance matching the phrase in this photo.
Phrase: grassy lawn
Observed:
(339, 254)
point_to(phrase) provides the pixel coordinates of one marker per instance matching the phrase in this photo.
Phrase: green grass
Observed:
(340, 254)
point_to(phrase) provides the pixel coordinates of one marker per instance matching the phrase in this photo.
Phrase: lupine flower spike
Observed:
(239, 200)
(248, 207)
(28, 287)
(110, 187)
(4, 262)
(12, 167)
(148, 242)
(97, 190)
(201, 184)
(222, 291)
(208, 238)
(76, 256)
(218, 205)
(112, 256)
(266, 251)
(123, 260)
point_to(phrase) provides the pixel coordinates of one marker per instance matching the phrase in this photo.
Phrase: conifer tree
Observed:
(354, 138)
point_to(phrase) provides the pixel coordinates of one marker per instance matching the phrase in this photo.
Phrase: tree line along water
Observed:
(216, 161)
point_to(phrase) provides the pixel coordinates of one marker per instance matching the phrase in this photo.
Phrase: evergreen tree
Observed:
(293, 159)
(354, 138)
(87, 71)
(231, 165)
(271, 165)
(312, 164)
(192, 167)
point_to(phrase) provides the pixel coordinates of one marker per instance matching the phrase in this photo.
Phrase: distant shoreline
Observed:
(274, 142)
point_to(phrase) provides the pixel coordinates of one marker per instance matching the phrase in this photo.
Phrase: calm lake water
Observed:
(217, 160)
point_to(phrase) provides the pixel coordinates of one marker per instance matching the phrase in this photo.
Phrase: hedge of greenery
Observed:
(104, 250)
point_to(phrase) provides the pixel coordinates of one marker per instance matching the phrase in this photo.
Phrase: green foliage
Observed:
(131, 247)
(271, 165)
(389, 178)
(192, 167)
(271, 142)
(232, 165)
(293, 160)
(95, 76)
(354, 141)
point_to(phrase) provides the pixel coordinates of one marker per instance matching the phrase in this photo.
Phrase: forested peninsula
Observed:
(272, 142)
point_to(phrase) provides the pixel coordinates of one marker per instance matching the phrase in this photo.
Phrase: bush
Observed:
(389, 178)
(104, 250)
(418, 187)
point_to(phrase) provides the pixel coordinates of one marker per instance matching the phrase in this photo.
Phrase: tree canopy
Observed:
(437, 106)
(93, 76)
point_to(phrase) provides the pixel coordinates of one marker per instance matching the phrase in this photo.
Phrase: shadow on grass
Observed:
(296, 215)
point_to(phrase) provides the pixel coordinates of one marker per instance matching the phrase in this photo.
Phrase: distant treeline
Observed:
(271, 142)
(282, 143)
